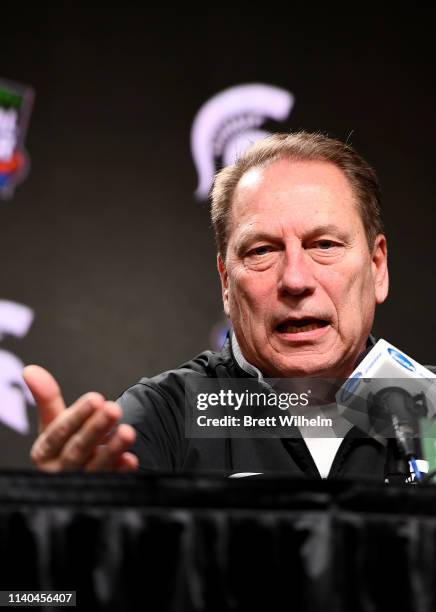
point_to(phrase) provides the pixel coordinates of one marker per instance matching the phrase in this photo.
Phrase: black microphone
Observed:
(394, 413)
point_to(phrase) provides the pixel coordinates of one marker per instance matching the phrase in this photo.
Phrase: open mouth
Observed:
(297, 326)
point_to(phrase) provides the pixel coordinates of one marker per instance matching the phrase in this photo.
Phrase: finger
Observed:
(108, 455)
(82, 445)
(46, 392)
(50, 443)
(127, 463)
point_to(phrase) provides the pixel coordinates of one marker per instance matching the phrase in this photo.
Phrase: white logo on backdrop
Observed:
(15, 319)
(229, 122)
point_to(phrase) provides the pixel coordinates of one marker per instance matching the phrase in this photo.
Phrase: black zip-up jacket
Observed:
(155, 408)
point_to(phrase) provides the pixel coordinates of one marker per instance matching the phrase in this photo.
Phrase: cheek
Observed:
(353, 297)
(365, 286)
(349, 288)
(250, 291)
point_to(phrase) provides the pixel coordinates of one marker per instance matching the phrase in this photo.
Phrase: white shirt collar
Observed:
(241, 361)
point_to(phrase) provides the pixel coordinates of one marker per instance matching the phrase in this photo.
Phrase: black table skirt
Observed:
(206, 543)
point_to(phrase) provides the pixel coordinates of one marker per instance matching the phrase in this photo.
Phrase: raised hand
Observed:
(86, 436)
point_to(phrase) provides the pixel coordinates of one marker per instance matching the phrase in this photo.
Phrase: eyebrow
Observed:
(254, 236)
(330, 228)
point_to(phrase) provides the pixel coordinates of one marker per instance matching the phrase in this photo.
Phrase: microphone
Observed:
(385, 397)
(398, 411)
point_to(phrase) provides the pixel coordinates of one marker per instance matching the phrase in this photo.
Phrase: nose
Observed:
(296, 275)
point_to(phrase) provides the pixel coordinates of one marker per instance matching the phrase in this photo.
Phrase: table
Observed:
(202, 542)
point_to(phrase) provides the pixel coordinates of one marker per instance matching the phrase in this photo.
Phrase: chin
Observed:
(302, 368)
(295, 371)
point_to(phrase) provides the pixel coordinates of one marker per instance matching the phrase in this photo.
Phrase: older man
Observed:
(303, 263)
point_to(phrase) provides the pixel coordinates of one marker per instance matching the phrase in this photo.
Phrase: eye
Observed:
(324, 245)
(260, 250)
(326, 250)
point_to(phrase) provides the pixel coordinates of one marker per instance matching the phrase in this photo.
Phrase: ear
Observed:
(379, 263)
(224, 283)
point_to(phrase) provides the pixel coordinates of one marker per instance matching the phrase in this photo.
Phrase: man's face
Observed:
(300, 284)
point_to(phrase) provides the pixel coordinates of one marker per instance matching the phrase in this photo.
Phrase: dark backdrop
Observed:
(105, 240)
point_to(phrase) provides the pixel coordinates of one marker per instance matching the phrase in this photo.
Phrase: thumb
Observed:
(46, 392)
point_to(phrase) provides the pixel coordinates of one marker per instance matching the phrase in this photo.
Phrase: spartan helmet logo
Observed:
(15, 319)
(231, 121)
